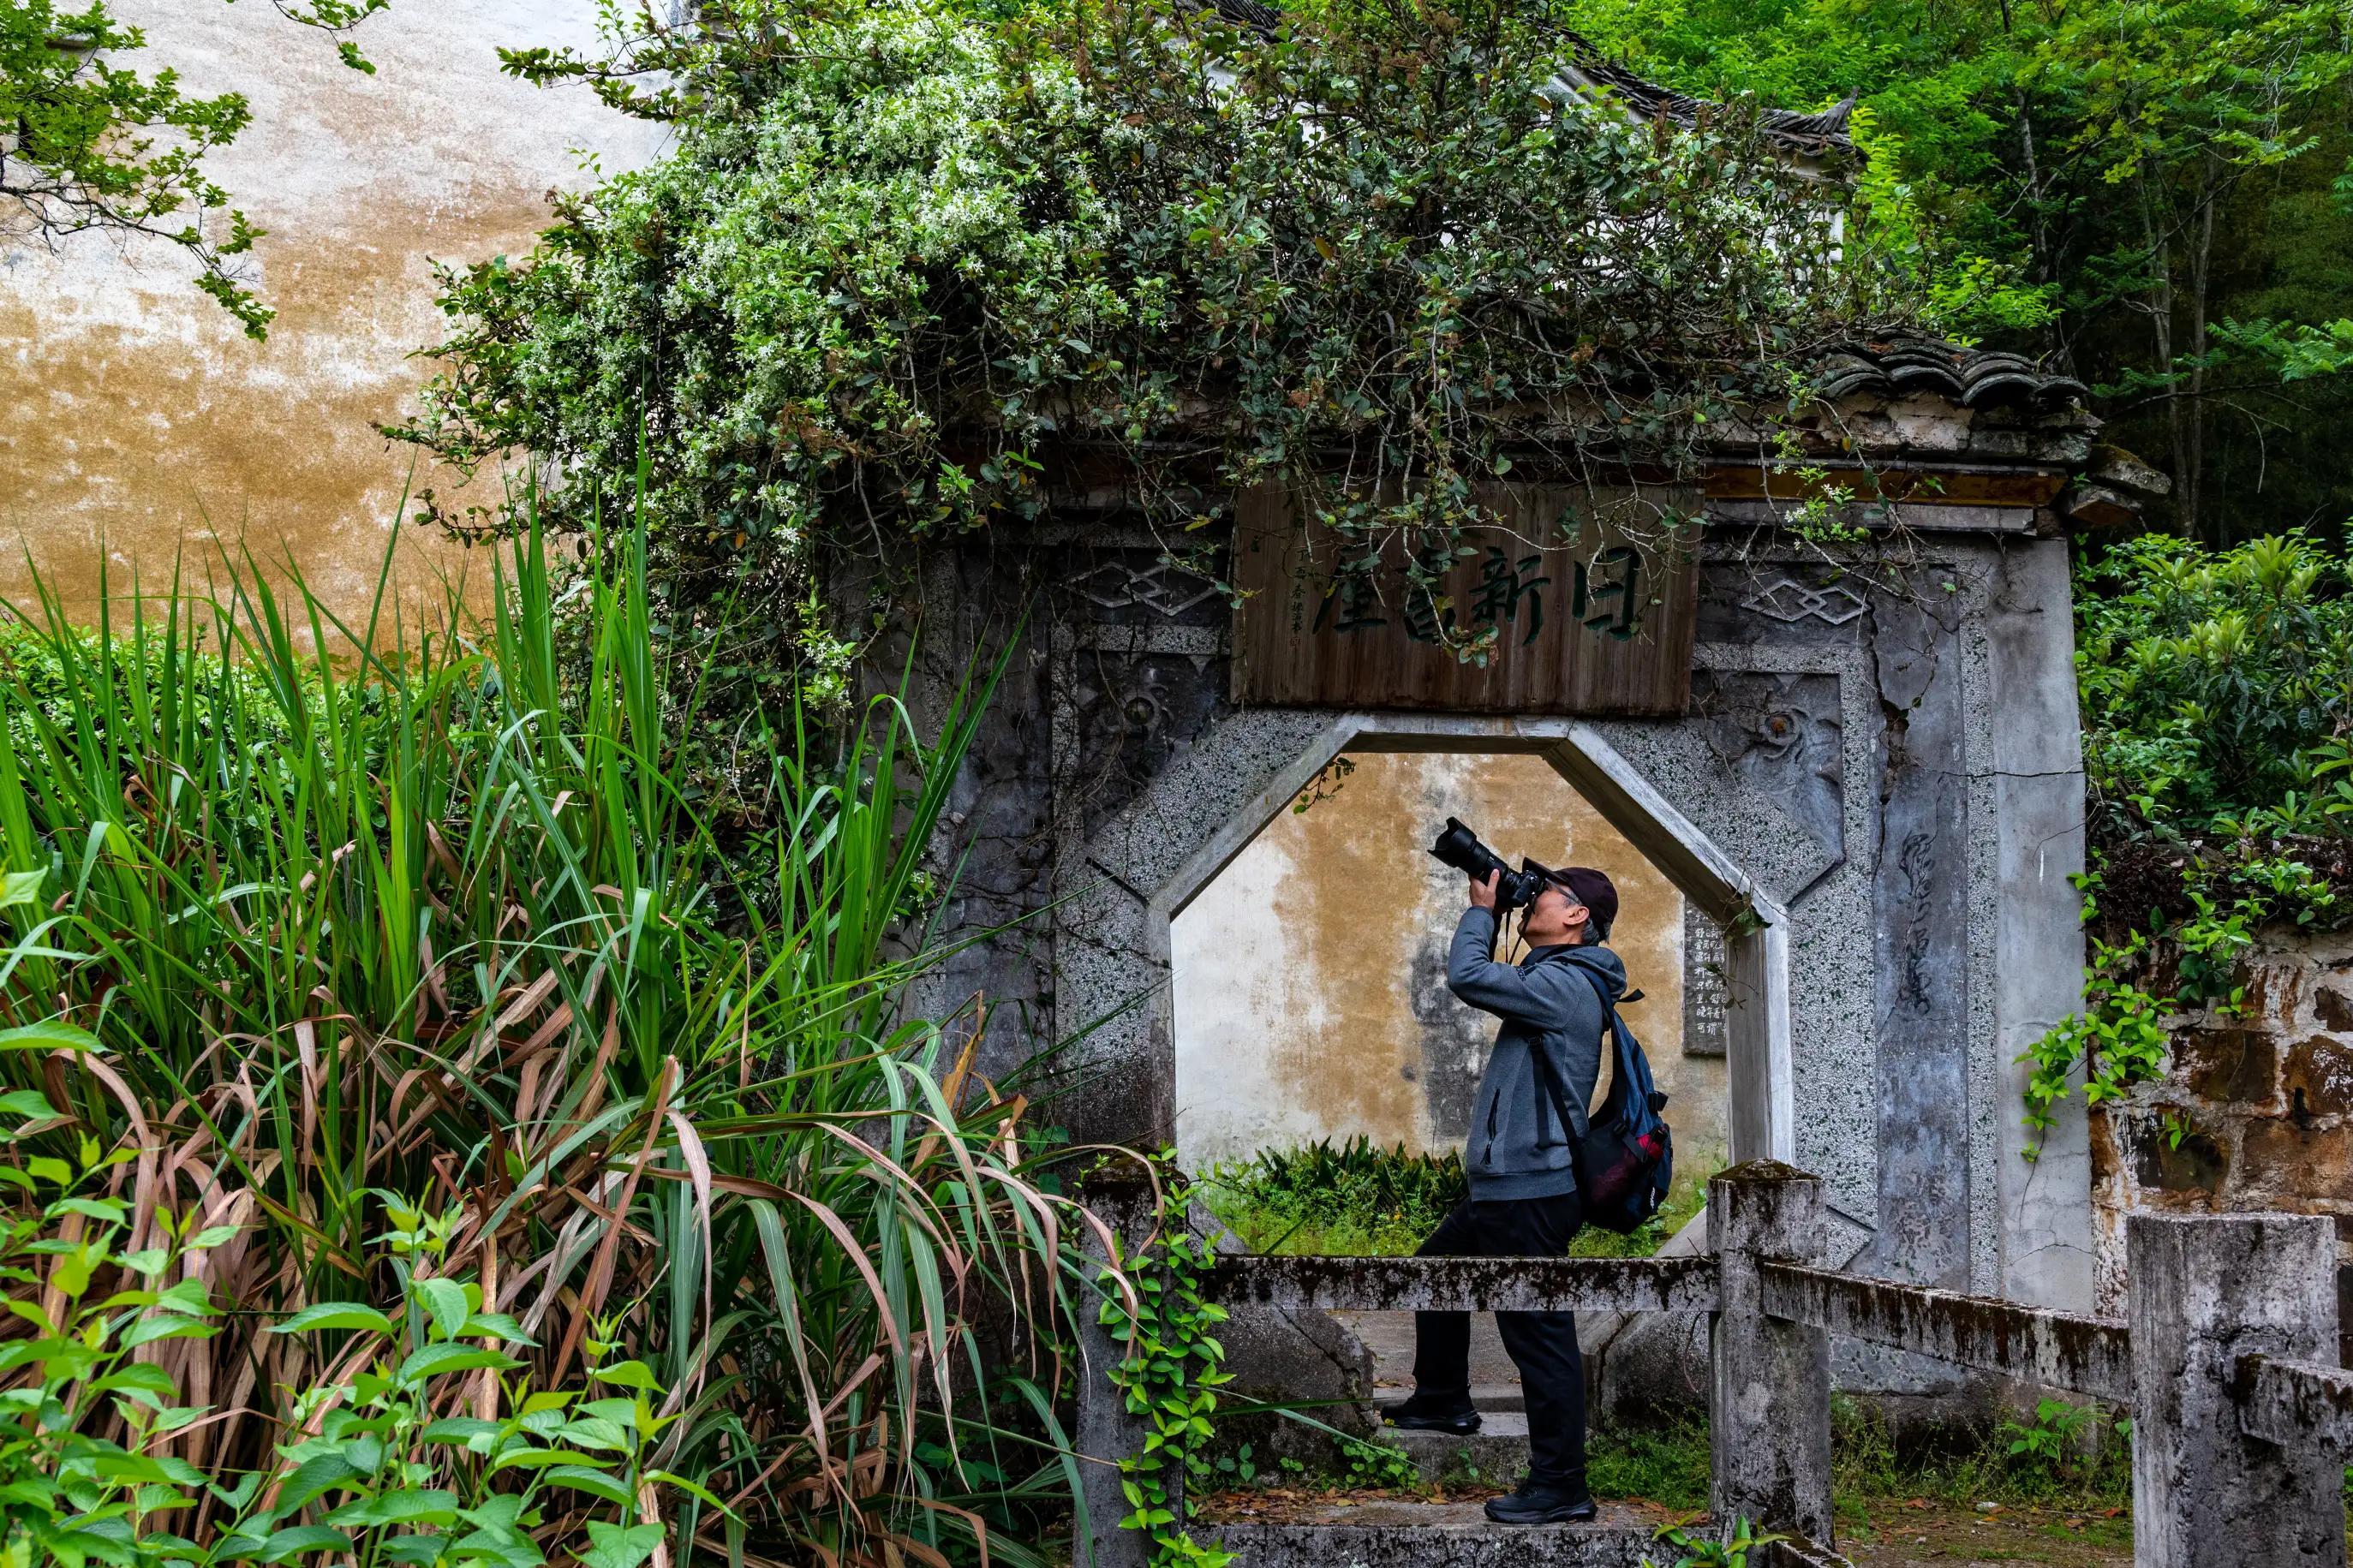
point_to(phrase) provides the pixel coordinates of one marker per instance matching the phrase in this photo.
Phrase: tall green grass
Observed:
(431, 918)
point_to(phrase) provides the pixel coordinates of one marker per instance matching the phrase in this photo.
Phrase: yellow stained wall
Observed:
(1310, 976)
(143, 421)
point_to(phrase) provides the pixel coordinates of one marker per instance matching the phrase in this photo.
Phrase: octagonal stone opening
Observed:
(1309, 975)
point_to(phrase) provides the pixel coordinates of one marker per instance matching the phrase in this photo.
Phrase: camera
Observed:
(1459, 847)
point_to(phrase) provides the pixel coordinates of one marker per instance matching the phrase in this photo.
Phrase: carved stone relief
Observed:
(1125, 715)
(1789, 601)
(1783, 737)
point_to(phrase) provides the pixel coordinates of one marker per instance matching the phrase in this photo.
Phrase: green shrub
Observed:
(371, 1467)
(1665, 1465)
(2074, 1455)
(1727, 1546)
(2215, 686)
(1346, 1199)
(1354, 1200)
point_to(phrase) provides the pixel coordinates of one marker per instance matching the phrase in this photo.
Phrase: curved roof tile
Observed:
(1907, 365)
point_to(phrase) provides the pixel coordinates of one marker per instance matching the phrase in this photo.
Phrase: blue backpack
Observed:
(1626, 1161)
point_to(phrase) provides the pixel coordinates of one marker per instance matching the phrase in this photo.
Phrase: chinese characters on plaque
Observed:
(1562, 610)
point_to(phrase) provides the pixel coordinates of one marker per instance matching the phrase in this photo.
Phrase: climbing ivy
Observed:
(1169, 1377)
(2122, 1035)
(2117, 1041)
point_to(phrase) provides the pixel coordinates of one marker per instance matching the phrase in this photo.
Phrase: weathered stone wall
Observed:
(2255, 1112)
(144, 422)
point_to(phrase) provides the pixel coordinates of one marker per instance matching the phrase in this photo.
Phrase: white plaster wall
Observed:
(143, 420)
(1308, 987)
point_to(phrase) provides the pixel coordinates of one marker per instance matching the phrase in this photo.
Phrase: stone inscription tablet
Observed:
(1707, 1030)
(1575, 603)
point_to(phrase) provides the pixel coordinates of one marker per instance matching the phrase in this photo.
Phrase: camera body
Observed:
(1459, 847)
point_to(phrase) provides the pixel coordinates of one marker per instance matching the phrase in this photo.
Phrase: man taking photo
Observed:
(1523, 1198)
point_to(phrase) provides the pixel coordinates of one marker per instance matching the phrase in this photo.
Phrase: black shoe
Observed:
(1419, 1414)
(1543, 1502)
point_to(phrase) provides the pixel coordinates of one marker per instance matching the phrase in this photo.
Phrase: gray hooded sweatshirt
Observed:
(1517, 1147)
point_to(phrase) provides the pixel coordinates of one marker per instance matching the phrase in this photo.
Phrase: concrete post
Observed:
(1769, 1410)
(1104, 1432)
(2203, 1292)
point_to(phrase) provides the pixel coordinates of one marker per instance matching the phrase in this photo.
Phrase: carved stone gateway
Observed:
(1873, 791)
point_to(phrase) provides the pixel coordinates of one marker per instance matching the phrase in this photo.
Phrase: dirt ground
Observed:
(1897, 1532)
(1890, 1533)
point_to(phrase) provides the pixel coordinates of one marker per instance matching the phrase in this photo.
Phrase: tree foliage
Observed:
(2217, 687)
(903, 255)
(2113, 181)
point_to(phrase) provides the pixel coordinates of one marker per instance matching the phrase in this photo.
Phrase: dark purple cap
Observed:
(1595, 890)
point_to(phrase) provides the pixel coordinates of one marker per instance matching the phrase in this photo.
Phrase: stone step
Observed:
(1498, 1451)
(1396, 1534)
(1490, 1397)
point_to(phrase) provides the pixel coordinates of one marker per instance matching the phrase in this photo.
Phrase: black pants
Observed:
(1543, 1345)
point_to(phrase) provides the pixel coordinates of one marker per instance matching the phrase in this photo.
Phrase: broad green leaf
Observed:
(496, 1326)
(620, 1412)
(404, 1507)
(462, 1431)
(433, 1361)
(620, 1546)
(49, 1034)
(313, 1476)
(21, 888)
(672, 1479)
(187, 1296)
(445, 1303)
(533, 1459)
(335, 1315)
(589, 1479)
(28, 1103)
(302, 1539)
(144, 1376)
(165, 1326)
(628, 1374)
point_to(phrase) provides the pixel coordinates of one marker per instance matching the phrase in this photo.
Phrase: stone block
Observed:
(2196, 1164)
(1390, 1534)
(2273, 990)
(2318, 1079)
(1769, 1438)
(1299, 1357)
(2205, 1292)
(2333, 1007)
(1653, 1372)
(2284, 1164)
(2228, 1064)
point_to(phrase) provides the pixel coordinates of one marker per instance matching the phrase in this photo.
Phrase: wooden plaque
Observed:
(1574, 604)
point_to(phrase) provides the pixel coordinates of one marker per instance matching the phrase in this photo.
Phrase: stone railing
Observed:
(2242, 1422)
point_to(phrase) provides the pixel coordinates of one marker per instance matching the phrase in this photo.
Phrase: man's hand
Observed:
(1482, 890)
